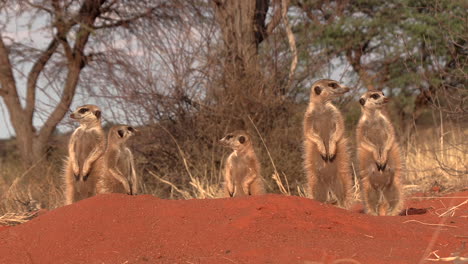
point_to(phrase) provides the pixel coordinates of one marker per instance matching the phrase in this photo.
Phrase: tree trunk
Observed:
(243, 28)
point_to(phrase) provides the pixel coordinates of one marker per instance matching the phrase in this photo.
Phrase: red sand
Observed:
(264, 229)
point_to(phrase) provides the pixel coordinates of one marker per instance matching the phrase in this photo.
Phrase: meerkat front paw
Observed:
(381, 163)
(332, 152)
(85, 172)
(246, 190)
(76, 172)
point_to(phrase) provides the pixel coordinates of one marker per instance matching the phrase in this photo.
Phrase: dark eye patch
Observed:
(83, 110)
(375, 96)
(333, 85)
(241, 139)
(362, 101)
(131, 129)
(317, 90)
(229, 136)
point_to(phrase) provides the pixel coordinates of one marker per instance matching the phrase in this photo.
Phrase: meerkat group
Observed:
(96, 165)
(327, 161)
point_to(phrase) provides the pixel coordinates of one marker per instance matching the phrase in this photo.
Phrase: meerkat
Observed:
(86, 145)
(116, 168)
(242, 168)
(326, 156)
(379, 158)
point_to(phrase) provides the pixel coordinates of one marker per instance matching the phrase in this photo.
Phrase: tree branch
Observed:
(127, 21)
(41, 7)
(7, 80)
(33, 76)
(275, 19)
(87, 15)
(292, 44)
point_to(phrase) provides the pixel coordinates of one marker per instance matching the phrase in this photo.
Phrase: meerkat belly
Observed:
(324, 124)
(375, 133)
(84, 145)
(124, 166)
(239, 171)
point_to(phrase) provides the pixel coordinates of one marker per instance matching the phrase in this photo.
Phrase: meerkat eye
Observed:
(333, 85)
(241, 139)
(130, 129)
(83, 110)
(375, 96)
(229, 136)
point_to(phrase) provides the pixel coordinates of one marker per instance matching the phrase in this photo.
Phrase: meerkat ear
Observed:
(317, 90)
(241, 139)
(97, 114)
(362, 101)
(121, 132)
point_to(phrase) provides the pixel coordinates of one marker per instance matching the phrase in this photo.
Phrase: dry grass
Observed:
(10, 219)
(437, 161)
(30, 189)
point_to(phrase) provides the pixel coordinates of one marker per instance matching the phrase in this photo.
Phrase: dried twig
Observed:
(452, 209)
(416, 221)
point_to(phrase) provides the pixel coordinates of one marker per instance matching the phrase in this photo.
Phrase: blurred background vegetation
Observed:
(188, 72)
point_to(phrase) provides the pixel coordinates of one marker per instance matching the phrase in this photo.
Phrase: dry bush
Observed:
(435, 160)
(28, 189)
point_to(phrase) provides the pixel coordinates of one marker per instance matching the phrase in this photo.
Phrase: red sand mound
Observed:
(263, 229)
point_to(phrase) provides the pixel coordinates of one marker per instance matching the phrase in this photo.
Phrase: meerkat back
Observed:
(118, 170)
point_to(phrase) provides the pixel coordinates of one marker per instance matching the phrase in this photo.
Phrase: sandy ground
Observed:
(263, 229)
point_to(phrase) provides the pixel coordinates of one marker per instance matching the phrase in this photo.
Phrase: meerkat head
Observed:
(325, 90)
(87, 114)
(236, 140)
(121, 133)
(373, 100)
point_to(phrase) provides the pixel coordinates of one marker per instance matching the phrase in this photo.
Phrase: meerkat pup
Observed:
(379, 157)
(326, 156)
(116, 168)
(242, 168)
(86, 145)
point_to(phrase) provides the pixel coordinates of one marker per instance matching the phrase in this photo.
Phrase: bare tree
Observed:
(73, 27)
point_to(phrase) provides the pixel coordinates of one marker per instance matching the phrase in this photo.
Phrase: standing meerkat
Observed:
(379, 157)
(86, 145)
(326, 157)
(116, 168)
(242, 168)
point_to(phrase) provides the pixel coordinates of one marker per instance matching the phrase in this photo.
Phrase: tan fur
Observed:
(326, 155)
(116, 168)
(380, 165)
(86, 145)
(242, 170)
